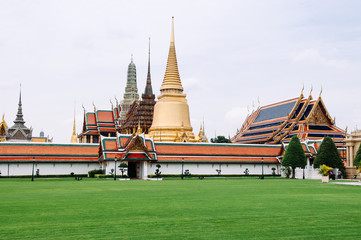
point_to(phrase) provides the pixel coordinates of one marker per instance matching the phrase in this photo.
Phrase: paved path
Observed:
(347, 183)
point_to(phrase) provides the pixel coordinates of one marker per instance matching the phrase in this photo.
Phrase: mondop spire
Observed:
(131, 90)
(171, 121)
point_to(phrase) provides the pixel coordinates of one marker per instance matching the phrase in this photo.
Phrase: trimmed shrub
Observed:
(95, 171)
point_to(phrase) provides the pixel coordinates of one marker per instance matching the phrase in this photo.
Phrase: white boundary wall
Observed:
(210, 168)
(199, 168)
(21, 168)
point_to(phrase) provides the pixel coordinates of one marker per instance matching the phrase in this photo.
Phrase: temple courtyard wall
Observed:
(26, 168)
(211, 168)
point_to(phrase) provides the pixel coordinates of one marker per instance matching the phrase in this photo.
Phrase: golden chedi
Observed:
(171, 120)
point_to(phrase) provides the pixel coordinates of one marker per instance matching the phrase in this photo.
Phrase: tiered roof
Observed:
(19, 132)
(48, 152)
(146, 149)
(131, 147)
(100, 122)
(276, 123)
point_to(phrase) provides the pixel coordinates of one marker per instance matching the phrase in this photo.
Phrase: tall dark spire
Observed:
(19, 116)
(19, 132)
(148, 87)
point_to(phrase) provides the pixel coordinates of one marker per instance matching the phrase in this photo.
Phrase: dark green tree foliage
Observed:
(328, 154)
(294, 156)
(220, 139)
(357, 160)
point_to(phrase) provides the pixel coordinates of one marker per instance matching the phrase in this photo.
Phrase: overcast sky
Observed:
(69, 53)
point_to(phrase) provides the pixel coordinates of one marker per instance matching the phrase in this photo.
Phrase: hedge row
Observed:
(46, 176)
(212, 175)
(109, 176)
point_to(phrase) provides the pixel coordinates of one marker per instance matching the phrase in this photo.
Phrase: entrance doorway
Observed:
(132, 169)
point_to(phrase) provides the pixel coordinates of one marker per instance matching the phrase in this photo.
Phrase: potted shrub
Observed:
(324, 171)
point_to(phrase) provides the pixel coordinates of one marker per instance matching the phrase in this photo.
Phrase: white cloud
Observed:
(236, 116)
(312, 55)
(191, 83)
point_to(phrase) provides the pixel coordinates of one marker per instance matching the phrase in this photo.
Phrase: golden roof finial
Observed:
(111, 103)
(139, 131)
(320, 92)
(73, 137)
(3, 123)
(172, 34)
(95, 109)
(311, 90)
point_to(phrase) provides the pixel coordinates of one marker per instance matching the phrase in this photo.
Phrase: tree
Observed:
(328, 154)
(157, 171)
(294, 156)
(357, 160)
(123, 167)
(220, 139)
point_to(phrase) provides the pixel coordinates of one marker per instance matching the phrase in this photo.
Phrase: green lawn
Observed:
(238, 208)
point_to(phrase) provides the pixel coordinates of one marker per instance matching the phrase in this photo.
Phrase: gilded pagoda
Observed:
(171, 121)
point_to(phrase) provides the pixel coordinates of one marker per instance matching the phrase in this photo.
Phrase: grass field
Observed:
(173, 209)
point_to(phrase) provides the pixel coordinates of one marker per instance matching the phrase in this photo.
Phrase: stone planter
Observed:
(325, 179)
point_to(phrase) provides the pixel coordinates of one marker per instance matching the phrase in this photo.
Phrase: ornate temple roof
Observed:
(121, 145)
(48, 152)
(275, 123)
(100, 122)
(19, 132)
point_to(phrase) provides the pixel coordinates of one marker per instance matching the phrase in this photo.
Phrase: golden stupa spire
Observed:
(3, 128)
(74, 139)
(171, 121)
(171, 79)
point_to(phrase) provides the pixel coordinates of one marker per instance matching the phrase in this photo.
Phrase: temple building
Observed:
(277, 123)
(171, 121)
(142, 154)
(99, 123)
(141, 113)
(353, 141)
(131, 91)
(19, 132)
